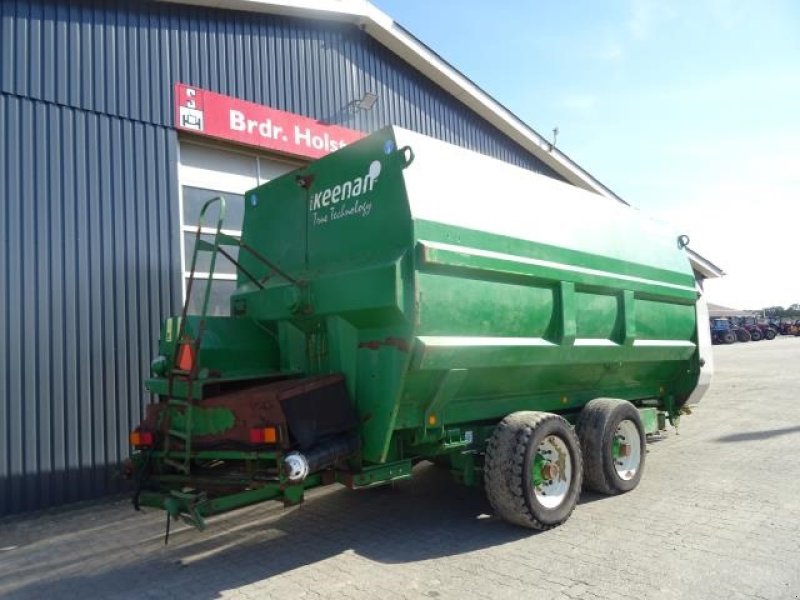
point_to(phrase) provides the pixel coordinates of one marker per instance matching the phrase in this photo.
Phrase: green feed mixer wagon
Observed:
(402, 300)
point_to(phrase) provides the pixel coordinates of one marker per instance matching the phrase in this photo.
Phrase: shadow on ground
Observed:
(429, 517)
(751, 436)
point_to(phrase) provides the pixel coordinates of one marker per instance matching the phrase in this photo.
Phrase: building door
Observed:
(206, 171)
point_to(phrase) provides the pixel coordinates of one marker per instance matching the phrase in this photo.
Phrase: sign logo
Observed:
(190, 113)
(223, 117)
(344, 200)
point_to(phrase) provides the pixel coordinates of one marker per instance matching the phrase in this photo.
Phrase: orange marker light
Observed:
(270, 435)
(264, 435)
(432, 420)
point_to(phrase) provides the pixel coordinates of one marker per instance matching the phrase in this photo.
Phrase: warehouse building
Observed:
(119, 118)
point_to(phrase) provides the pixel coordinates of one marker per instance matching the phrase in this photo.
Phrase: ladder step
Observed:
(204, 246)
(179, 434)
(176, 402)
(223, 239)
(180, 372)
(178, 465)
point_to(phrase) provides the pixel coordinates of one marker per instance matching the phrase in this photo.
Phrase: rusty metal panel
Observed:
(224, 420)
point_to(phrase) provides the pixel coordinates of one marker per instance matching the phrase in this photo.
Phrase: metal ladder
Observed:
(184, 342)
(184, 437)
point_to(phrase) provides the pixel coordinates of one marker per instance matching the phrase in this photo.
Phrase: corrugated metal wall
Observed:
(86, 274)
(122, 59)
(88, 221)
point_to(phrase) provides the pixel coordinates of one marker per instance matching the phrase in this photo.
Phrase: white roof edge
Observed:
(394, 37)
(704, 266)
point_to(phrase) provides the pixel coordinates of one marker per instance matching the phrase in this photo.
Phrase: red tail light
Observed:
(141, 439)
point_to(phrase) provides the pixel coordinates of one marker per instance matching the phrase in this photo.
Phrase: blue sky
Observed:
(688, 110)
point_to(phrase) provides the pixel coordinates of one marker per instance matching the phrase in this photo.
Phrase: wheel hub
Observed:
(551, 472)
(626, 450)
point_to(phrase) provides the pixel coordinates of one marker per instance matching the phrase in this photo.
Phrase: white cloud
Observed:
(729, 13)
(612, 51)
(579, 101)
(646, 16)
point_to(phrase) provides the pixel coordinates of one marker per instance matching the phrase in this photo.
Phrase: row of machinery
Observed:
(729, 330)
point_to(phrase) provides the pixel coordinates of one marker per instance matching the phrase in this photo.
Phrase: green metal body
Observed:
(450, 289)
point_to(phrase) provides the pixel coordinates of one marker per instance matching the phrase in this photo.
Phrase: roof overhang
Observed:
(721, 311)
(394, 37)
(703, 266)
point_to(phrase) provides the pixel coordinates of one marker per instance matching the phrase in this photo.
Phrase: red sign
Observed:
(208, 113)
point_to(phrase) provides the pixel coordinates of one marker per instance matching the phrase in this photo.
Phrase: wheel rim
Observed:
(551, 472)
(626, 450)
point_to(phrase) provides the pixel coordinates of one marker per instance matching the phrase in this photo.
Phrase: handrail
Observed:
(212, 266)
(182, 324)
(194, 344)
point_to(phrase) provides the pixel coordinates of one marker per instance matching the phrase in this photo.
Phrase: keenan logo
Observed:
(345, 199)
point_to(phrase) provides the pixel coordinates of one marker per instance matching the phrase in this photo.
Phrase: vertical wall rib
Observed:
(122, 59)
(85, 274)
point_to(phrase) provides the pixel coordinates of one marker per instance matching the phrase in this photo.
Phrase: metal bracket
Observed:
(448, 388)
(407, 154)
(567, 313)
(628, 318)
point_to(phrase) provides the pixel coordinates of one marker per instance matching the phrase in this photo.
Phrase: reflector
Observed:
(186, 357)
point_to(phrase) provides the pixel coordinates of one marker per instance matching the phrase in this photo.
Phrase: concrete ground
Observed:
(717, 515)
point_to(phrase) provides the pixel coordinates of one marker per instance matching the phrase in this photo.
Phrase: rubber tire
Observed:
(770, 334)
(595, 427)
(509, 452)
(729, 337)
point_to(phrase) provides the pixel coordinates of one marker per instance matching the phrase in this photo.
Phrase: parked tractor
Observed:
(752, 329)
(401, 300)
(758, 329)
(724, 332)
(767, 330)
(790, 327)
